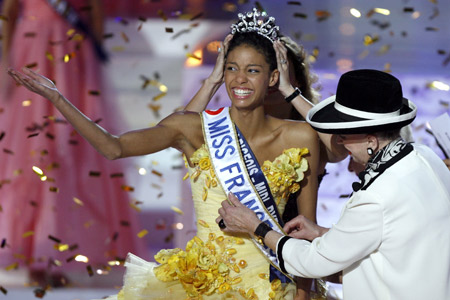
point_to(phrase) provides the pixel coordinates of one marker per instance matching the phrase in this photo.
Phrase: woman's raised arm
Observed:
(133, 143)
(335, 152)
(211, 84)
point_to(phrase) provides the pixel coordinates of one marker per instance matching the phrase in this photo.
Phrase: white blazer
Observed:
(392, 240)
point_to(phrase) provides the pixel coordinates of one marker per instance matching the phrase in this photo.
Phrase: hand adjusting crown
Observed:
(256, 22)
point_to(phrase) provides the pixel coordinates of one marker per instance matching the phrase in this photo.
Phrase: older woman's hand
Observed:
(236, 216)
(302, 228)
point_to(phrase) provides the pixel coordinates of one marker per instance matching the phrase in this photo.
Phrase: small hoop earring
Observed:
(369, 151)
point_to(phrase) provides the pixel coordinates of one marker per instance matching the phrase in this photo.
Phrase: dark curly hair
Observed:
(258, 42)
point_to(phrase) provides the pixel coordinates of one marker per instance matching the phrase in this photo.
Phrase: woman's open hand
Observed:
(216, 76)
(36, 83)
(284, 83)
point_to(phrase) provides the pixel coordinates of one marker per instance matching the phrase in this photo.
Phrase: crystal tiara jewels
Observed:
(256, 22)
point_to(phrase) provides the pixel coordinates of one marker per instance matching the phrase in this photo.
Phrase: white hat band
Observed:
(362, 114)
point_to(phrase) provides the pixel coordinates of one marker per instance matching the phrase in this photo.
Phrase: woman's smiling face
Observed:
(247, 76)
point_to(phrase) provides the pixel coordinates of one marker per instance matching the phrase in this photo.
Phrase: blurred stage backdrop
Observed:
(162, 50)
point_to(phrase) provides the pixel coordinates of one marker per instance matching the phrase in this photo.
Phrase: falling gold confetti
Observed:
(157, 173)
(229, 7)
(124, 223)
(78, 201)
(135, 207)
(31, 65)
(384, 49)
(116, 175)
(89, 270)
(322, 15)
(94, 93)
(118, 48)
(27, 234)
(159, 96)
(3, 290)
(368, 40)
(155, 108)
(142, 233)
(54, 239)
(39, 293)
(199, 15)
(12, 266)
(108, 35)
(190, 55)
(53, 189)
(205, 193)
(300, 15)
(61, 247)
(169, 29)
(124, 37)
(94, 173)
(162, 15)
(177, 210)
(49, 56)
(127, 188)
(7, 151)
(203, 223)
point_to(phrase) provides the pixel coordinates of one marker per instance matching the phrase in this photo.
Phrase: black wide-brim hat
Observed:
(366, 101)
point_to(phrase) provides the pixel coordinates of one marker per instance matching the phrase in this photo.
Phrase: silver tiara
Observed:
(256, 22)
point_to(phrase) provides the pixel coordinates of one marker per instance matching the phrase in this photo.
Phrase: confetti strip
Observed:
(142, 233)
(162, 15)
(94, 173)
(12, 266)
(116, 175)
(203, 223)
(300, 15)
(177, 210)
(31, 65)
(27, 234)
(3, 290)
(54, 239)
(127, 188)
(108, 35)
(94, 93)
(53, 189)
(39, 293)
(157, 173)
(78, 201)
(197, 16)
(89, 270)
(124, 223)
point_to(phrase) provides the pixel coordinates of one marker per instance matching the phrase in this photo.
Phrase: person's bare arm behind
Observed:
(335, 152)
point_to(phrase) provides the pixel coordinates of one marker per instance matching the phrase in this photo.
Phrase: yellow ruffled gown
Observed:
(215, 265)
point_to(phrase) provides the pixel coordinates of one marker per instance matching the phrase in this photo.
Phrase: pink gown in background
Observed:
(80, 205)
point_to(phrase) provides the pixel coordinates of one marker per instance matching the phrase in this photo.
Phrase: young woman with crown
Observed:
(237, 149)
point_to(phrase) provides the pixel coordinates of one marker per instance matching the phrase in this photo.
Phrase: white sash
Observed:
(229, 167)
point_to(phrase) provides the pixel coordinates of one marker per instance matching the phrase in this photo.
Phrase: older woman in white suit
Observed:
(392, 240)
